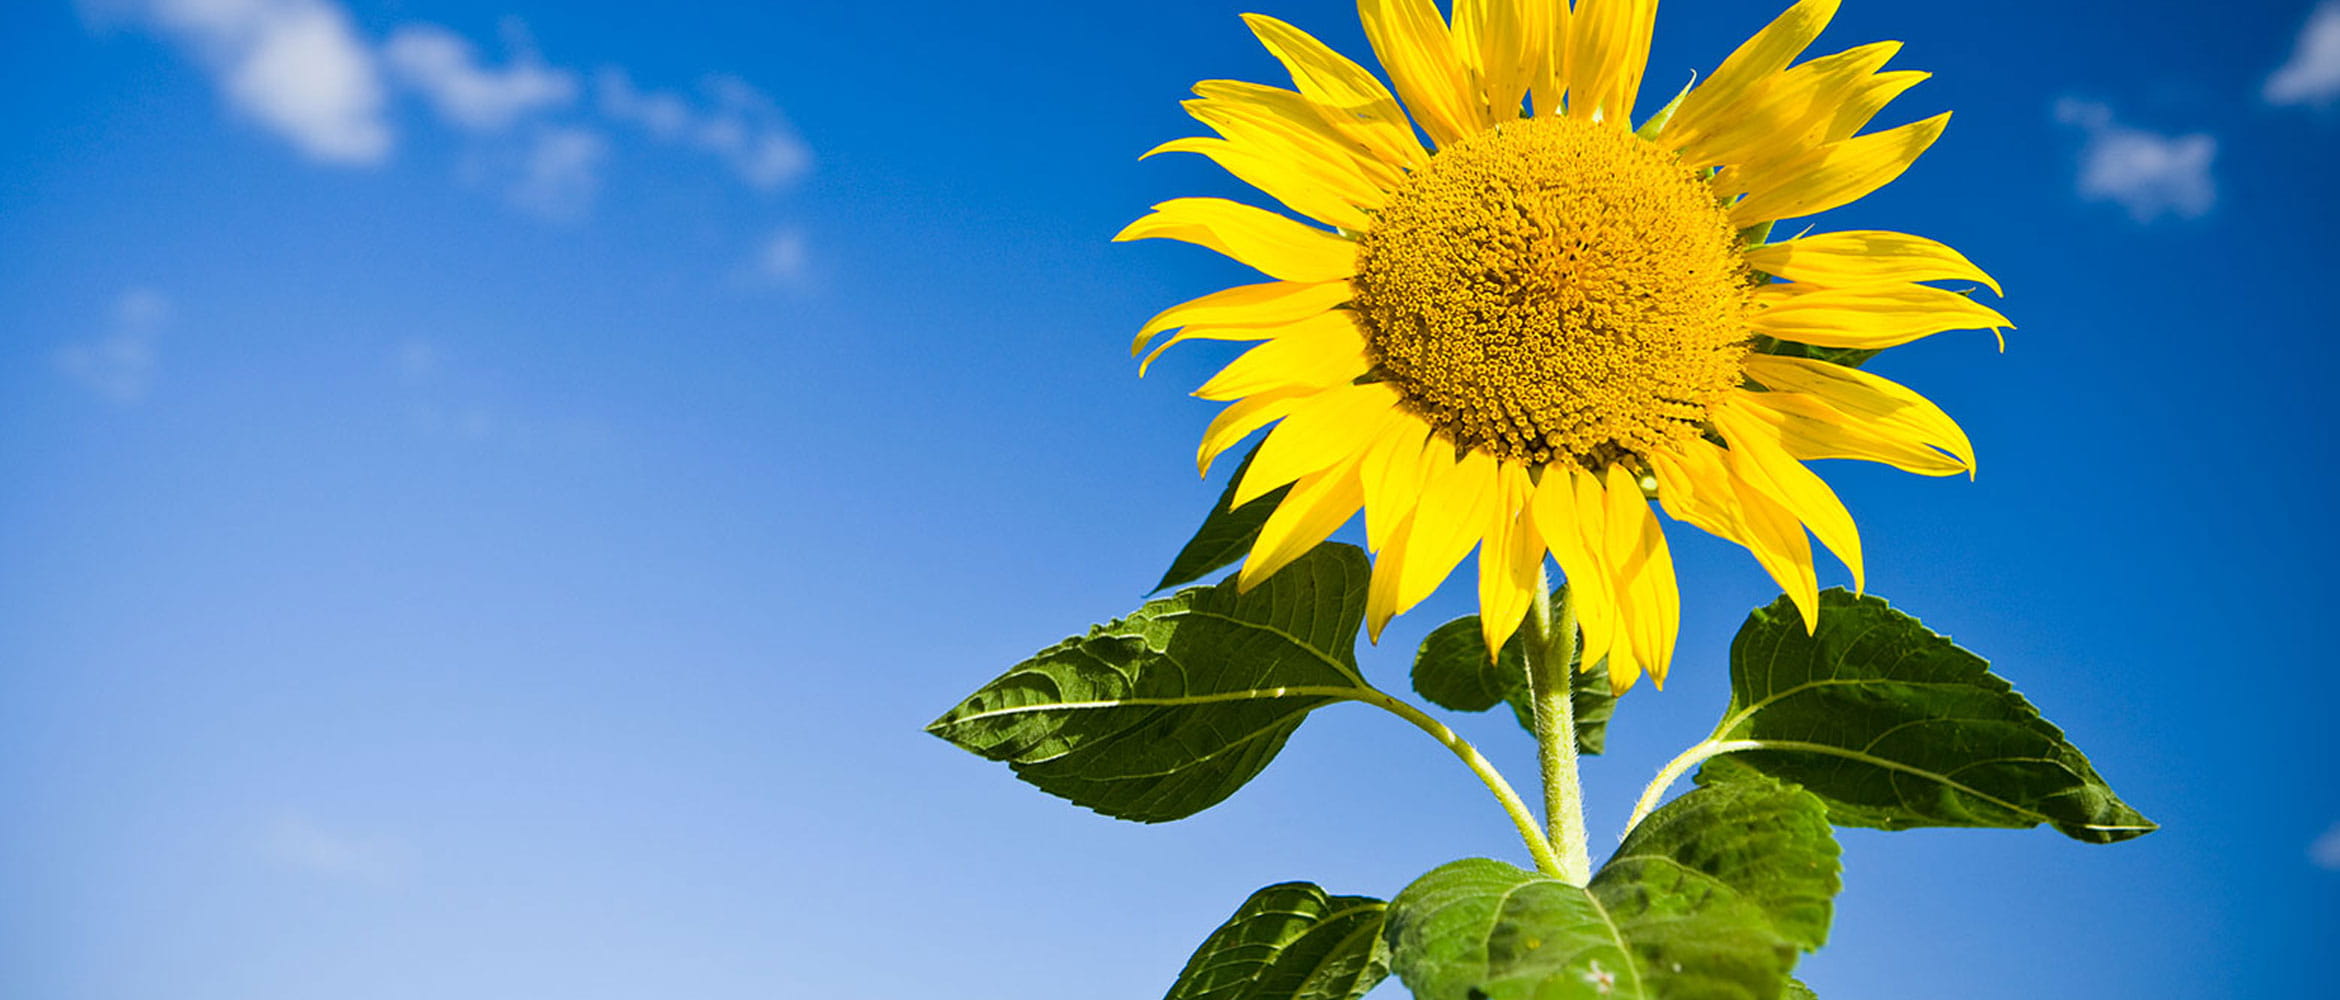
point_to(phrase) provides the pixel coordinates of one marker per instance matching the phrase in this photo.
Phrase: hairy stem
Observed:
(1537, 846)
(1550, 651)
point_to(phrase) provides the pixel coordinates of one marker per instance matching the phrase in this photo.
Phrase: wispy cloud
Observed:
(737, 124)
(2312, 77)
(446, 399)
(300, 843)
(2325, 852)
(561, 174)
(120, 362)
(2148, 173)
(296, 67)
(784, 258)
(303, 69)
(446, 70)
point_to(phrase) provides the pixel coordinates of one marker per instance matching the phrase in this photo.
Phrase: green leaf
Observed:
(1290, 942)
(1710, 899)
(1896, 727)
(1165, 713)
(1226, 533)
(1453, 671)
(1767, 841)
(1799, 991)
(1484, 930)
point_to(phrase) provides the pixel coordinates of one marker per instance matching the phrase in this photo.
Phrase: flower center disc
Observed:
(1554, 288)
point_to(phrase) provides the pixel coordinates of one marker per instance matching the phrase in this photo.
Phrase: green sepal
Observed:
(1290, 941)
(1165, 713)
(1895, 726)
(1226, 533)
(1453, 671)
(1711, 899)
(1849, 357)
(1655, 124)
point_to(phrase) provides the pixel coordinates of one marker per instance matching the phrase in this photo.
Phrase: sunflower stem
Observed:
(1550, 653)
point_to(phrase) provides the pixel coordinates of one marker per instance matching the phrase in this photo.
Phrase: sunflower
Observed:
(1519, 336)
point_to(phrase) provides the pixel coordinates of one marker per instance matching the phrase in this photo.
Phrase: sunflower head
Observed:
(1553, 288)
(1514, 337)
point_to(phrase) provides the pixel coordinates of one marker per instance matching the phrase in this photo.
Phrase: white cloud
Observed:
(300, 843)
(119, 364)
(785, 257)
(739, 125)
(2148, 173)
(446, 69)
(2313, 74)
(296, 67)
(561, 175)
(2325, 852)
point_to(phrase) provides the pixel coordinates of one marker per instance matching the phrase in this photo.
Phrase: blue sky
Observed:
(489, 495)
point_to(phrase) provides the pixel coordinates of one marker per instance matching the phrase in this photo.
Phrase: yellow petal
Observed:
(1509, 557)
(1502, 44)
(1755, 61)
(1867, 316)
(1836, 174)
(1809, 428)
(1870, 98)
(1695, 488)
(1350, 98)
(1575, 534)
(1446, 524)
(1331, 428)
(1271, 243)
(1273, 132)
(1314, 353)
(1242, 417)
(1775, 536)
(1395, 472)
(1551, 79)
(1874, 399)
(1284, 178)
(1411, 41)
(1230, 105)
(1865, 257)
(1592, 523)
(1608, 51)
(1317, 506)
(1771, 123)
(1381, 603)
(1271, 304)
(1650, 599)
(1760, 462)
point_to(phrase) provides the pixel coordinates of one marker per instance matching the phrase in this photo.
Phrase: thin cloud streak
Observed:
(740, 126)
(120, 364)
(446, 70)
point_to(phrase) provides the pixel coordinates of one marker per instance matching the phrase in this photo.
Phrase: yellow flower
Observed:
(1516, 341)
